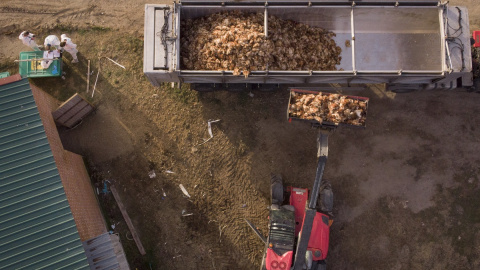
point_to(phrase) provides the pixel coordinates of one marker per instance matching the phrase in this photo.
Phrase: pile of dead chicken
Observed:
(333, 108)
(235, 41)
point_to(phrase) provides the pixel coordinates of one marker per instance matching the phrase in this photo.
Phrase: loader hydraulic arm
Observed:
(311, 210)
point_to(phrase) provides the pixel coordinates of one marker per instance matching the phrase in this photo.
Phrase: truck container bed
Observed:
(381, 42)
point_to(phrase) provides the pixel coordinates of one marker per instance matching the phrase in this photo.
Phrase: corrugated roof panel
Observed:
(26, 122)
(51, 242)
(37, 230)
(20, 185)
(14, 88)
(65, 253)
(14, 92)
(48, 232)
(27, 194)
(35, 204)
(19, 177)
(11, 192)
(33, 221)
(21, 137)
(18, 113)
(20, 103)
(25, 150)
(47, 205)
(32, 165)
(23, 131)
(21, 159)
(31, 144)
(100, 252)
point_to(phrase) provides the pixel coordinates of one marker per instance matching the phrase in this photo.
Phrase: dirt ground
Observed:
(406, 187)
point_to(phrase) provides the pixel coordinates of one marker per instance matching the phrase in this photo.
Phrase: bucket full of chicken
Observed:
(327, 109)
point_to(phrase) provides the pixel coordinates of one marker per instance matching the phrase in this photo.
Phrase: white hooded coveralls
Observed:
(28, 40)
(70, 46)
(53, 41)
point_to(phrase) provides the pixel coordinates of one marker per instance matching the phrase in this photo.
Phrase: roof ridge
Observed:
(10, 79)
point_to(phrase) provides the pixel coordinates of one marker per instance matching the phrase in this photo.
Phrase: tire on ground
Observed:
(276, 189)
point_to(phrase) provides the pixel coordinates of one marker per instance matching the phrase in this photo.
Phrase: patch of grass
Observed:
(183, 94)
(134, 44)
(9, 65)
(70, 28)
(210, 98)
(66, 28)
(95, 29)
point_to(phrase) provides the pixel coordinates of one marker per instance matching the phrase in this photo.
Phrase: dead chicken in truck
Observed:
(235, 41)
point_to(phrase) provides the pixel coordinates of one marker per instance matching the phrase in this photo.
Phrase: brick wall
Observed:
(75, 179)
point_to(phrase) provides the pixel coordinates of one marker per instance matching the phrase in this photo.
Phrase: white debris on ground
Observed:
(185, 192)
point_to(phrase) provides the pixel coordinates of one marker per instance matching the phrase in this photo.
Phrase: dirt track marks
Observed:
(230, 197)
(24, 10)
(78, 14)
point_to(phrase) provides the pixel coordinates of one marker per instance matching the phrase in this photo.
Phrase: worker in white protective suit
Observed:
(28, 39)
(52, 41)
(48, 57)
(69, 46)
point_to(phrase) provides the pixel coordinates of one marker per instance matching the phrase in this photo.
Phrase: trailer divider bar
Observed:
(353, 40)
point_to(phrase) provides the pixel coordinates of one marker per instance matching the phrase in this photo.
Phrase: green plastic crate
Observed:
(4, 74)
(33, 69)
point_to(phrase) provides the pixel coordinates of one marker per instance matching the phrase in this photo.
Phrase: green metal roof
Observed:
(37, 230)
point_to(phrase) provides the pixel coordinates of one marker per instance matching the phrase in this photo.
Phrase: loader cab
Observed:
(281, 238)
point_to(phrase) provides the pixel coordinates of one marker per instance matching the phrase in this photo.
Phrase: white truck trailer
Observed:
(406, 44)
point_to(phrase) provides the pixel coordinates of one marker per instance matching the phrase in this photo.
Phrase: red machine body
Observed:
(320, 234)
(476, 37)
(298, 230)
(298, 198)
(320, 237)
(274, 261)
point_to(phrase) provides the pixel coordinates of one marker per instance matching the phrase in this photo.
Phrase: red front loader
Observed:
(299, 230)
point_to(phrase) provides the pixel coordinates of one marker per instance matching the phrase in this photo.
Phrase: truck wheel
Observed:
(322, 265)
(276, 189)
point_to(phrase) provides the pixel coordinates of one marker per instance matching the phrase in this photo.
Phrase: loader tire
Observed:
(319, 265)
(276, 189)
(325, 200)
